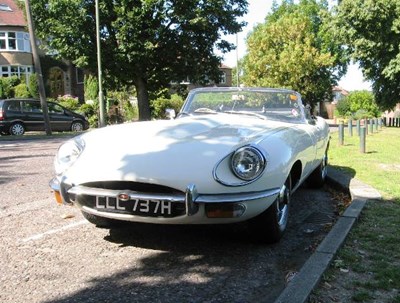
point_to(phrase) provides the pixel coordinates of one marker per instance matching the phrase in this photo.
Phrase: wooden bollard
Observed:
(341, 133)
(350, 126)
(362, 139)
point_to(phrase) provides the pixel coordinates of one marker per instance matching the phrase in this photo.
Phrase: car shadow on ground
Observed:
(217, 263)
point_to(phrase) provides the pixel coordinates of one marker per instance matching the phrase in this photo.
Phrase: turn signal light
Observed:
(225, 210)
(58, 197)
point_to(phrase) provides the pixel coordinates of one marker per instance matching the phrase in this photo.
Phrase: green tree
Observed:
(145, 43)
(362, 100)
(371, 30)
(296, 48)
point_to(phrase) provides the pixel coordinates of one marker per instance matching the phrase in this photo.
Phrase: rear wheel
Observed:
(101, 222)
(270, 226)
(77, 126)
(17, 129)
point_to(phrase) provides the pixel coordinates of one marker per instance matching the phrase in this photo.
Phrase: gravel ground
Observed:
(49, 253)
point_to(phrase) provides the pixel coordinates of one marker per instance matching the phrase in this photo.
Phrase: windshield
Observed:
(274, 104)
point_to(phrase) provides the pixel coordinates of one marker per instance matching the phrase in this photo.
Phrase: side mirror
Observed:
(170, 113)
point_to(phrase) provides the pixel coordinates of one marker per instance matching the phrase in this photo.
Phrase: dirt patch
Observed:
(389, 167)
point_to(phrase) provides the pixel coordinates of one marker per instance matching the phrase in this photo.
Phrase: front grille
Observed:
(133, 186)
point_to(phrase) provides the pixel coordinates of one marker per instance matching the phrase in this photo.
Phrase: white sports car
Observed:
(230, 155)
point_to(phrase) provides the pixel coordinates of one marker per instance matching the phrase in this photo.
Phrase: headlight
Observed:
(68, 153)
(248, 163)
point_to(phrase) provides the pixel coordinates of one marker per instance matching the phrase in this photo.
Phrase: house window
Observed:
(15, 41)
(80, 76)
(15, 70)
(5, 8)
(223, 78)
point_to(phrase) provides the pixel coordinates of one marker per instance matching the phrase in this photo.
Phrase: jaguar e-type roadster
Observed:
(230, 155)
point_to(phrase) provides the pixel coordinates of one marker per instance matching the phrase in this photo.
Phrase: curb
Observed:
(299, 289)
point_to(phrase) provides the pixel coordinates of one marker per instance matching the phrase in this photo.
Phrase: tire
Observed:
(77, 126)
(17, 129)
(318, 176)
(101, 222)
(269, 226)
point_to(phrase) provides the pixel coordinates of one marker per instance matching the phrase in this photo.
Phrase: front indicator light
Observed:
(225, 210)
(57, 194)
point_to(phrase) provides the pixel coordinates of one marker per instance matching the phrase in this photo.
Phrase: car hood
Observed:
(173, 153)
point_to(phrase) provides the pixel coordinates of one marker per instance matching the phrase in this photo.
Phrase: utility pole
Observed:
(38, 68)
(237, 61)
(99, 72)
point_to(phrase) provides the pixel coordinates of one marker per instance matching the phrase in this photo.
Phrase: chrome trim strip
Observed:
(190, 198)
(91, 191)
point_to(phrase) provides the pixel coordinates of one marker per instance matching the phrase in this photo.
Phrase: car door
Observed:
(59, 119)
(33, 115)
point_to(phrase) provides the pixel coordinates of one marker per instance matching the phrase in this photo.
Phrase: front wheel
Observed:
(318, 176)
(17, 129)
(269, 226)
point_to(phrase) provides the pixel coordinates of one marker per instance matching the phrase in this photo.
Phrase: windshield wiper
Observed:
(246, 113)
(205, 110)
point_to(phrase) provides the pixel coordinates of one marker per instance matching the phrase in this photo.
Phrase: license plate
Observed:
(150, 208)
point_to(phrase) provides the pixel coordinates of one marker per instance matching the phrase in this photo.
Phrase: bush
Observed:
(361, 114)
(21, 91)
(72, 103)
(33, 86)
(343, 108)
(91, 87)
(363, 100)
(8, 84)
(160, 105)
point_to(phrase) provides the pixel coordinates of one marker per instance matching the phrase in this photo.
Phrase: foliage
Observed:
(363, 100)
(160, 106)
(91, 87)
(120, 107)
(371, 31)
(147, 43)
(361, 114)
(8, 84)
(343, 108)
(295, 48)
(70, 102)
(33, 85)
(21, 91)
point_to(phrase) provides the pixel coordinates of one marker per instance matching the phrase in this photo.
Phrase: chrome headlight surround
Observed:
(248, 163)
(67, 154)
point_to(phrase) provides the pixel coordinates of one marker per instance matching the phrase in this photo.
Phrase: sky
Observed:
(258, 9)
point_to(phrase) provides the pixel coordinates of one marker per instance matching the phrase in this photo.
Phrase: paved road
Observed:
(50, 253)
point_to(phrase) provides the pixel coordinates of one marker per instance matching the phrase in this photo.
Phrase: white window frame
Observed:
(16, 70)
(19, 39)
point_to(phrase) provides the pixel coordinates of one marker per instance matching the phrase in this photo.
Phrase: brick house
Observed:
(60, 77)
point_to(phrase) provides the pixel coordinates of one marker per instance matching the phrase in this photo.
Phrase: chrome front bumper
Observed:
(191, 198)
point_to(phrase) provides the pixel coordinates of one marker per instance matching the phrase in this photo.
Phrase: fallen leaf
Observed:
(67, 216)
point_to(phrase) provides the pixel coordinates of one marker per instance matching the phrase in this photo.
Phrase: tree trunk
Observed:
(143, 99)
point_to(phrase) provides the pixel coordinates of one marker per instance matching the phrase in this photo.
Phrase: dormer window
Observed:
(5, 8)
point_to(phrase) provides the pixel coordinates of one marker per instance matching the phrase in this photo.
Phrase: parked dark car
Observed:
(20, 115)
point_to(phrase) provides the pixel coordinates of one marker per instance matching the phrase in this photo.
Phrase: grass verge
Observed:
(367, 267)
